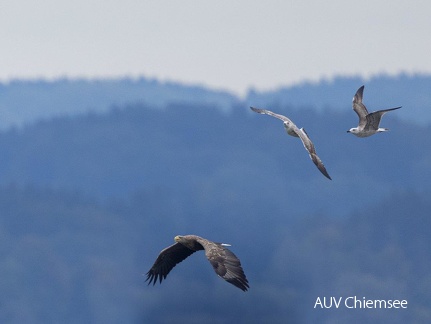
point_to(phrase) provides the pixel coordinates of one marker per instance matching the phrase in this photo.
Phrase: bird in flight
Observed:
(293, 130)
(368, 122)
(225, 263)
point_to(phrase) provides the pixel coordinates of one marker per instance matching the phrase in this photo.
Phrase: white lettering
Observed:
(318, 302)
(339, 302)
(346, 302)
(380, 302)
(327, 303)
(355, 302)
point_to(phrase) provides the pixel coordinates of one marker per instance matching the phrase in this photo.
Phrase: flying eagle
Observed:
(293, 130)
(224, 262)
(368, 122)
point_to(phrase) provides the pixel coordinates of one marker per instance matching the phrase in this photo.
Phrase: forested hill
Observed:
(413, 92)
(26, 101)
(65, 258)
(87, 202)
(197, 148)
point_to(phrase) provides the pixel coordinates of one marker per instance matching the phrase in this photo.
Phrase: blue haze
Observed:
(88, 199)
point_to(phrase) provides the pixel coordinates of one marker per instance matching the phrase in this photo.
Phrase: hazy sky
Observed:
(232, 45)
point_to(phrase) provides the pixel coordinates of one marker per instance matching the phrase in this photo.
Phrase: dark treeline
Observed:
(87, 203)
(413, 92)
(23, 102)
(201, 149)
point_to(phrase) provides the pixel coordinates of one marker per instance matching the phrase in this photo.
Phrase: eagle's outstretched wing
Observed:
(225, 263)
(167, 259)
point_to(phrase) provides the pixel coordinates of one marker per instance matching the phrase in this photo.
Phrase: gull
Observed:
(368, 122)
(293, 130)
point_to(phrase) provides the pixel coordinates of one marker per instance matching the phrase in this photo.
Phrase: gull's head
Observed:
(353, 130)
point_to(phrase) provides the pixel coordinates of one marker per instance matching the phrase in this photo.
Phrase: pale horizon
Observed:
(226, 46)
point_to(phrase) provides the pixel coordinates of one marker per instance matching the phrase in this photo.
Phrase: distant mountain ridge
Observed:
(413, 92)
(26, 101)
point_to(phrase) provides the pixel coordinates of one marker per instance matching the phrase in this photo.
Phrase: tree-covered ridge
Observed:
(201, 149)
(23, 102)
(88, 202)
(68, 259)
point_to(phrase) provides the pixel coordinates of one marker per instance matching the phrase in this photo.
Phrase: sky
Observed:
(226, 45)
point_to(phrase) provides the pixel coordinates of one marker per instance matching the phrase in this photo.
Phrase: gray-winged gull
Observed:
(368, 122)
(293, 130)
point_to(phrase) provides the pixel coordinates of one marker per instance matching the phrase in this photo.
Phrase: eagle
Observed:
(224, 262)
(368, 122)
(293, 130)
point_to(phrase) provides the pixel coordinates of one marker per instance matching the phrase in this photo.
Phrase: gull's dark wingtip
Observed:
(325, 173)
(319, 164)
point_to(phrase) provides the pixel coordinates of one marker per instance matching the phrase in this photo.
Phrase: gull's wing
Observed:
(309, 146)
(225, 263)
(359, 107)
(373, 119)
(167, 259)
(270, 113)
(293, 130)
